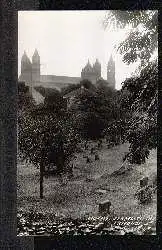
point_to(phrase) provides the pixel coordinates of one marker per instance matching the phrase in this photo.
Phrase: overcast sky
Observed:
(67, 39)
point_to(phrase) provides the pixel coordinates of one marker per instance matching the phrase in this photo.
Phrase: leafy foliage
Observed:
(70, 88)
(142, 126)
(25, 100)
(87, 84)
(45, 92)
(142, 40)
(93, 110)
(139, 94)
(46, 134)
(145, 194)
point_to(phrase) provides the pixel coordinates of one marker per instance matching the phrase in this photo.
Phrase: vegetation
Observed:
(25, 101)
(49, 133)
(79, 117)
(45, 92)
(70, 88)
(142, 40)
(139, 94)
(93, 110)
(46, 136)
(142, 126)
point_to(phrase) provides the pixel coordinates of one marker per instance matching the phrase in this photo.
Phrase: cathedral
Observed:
(31, 75)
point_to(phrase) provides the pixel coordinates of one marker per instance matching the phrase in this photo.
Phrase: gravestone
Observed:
(92, 150)
(96, 157)
(86, 146)
(88, 160)
(104, 207)
(99, 144)
(144, 182)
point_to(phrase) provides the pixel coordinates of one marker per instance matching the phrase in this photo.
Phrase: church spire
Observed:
(25, 58)
(111, 58)
(111, 72)
(36, 57)
(36, 67)
(26, 70)
(97, 68)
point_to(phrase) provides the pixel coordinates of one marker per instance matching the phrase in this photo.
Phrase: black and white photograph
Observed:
(87, 122)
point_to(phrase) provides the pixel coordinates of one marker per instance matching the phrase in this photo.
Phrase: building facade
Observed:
(31, 74)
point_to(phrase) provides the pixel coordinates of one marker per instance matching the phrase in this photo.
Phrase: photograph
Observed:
(87, 122)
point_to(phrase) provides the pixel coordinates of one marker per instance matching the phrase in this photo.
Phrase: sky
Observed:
(66, 40)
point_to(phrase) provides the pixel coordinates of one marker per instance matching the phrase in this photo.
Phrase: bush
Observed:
(144, 195)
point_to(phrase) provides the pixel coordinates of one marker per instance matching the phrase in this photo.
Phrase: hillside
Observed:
(92, 183)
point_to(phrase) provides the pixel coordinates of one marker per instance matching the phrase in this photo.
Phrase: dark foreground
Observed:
(33, 224)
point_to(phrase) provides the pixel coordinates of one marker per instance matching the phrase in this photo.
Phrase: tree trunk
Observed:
(60, 154)
(41, 180)
(60, 162)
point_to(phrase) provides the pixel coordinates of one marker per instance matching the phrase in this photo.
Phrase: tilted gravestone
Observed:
(104, 207)
(144, 182)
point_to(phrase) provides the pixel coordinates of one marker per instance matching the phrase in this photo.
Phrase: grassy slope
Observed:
(78, 197)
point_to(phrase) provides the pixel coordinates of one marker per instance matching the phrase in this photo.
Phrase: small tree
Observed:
(46, 136)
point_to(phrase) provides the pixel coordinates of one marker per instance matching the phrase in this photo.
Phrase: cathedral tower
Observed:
(111, 72)
(91, 73)
(97, 68)
(35, 67)
(26, 70)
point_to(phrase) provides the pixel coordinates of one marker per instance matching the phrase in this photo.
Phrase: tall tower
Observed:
(87, 72)
(91, 73)
(35, 67)
(111, 72)
(26, 70)
(97, 68)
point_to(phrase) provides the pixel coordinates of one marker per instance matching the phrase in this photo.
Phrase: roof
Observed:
(59, 79)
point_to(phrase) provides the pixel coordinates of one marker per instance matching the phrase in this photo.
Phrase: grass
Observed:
(79, 196)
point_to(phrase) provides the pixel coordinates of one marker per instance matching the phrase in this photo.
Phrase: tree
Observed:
(139, 94)
(142, 126)
(142, 40)
(46, 136)
(93, 109)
